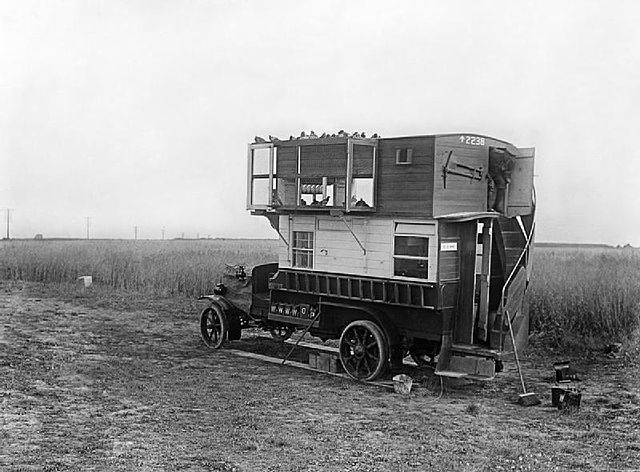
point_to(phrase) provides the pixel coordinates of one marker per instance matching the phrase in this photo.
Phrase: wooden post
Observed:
(485, 274)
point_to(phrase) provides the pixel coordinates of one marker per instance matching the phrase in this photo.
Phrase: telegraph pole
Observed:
(135, 233)
(7, 212)
(163, 233)
(88, 220)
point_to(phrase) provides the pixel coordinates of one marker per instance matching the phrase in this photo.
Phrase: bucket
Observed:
(402, 384)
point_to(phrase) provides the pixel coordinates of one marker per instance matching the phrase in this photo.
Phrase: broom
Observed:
(525, 399)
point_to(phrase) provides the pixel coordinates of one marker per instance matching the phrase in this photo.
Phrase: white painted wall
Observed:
(336, 250)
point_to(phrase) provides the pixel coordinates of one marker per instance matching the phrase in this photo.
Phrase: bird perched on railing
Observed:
(312, 135)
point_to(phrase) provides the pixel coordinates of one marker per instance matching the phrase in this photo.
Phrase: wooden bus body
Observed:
(417, 244)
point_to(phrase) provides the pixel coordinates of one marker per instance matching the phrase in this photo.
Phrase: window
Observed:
(262, 184)
(404, 156)
(411, 250)
(361, 192)
(302, 249)
(322, 191)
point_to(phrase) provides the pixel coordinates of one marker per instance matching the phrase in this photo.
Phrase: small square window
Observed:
(404, 156)
(411, 257)
(302, 249)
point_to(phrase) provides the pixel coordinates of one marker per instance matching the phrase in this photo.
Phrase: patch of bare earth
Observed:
(96, 383)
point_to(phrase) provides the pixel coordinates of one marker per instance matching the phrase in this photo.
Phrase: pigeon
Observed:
(259, 140)
(342, 134)
(375, 135)
(273, 139)
(313, 135)
(355, 135)
(303, 135)
(362, 135)
(323, 135)
(291, 138)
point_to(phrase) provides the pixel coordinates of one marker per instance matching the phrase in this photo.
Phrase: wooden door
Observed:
(520, 191)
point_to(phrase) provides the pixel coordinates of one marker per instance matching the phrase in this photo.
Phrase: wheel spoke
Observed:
(348, 356)
(366, 364)
(371, 344)
(363, 335)
(350, 342)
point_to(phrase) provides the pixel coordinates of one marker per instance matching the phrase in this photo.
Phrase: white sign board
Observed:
(448, 246)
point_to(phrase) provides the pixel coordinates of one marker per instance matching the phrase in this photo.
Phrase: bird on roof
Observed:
(291, 138)
(355, 135)
(374, 135)
(259, 140)
(362, 135)
(313, 135)
(303, 135)
(324, 135)
(273, 139)
(342, 134)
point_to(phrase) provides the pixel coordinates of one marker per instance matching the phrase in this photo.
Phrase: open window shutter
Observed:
(363, 160)
(520, 197)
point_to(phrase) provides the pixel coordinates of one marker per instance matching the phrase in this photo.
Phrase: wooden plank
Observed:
(464, 322)
(316, 347)
(483, 307)
(300, 365)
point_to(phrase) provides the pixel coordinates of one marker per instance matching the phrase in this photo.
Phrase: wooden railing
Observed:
(354, 287)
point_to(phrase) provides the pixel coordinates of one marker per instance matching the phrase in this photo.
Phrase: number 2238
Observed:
(473, 140)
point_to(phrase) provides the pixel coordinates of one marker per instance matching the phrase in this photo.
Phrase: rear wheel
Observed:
(364, 350)
(214, 327)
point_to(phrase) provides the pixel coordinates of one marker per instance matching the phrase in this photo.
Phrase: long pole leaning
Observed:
(306, 330)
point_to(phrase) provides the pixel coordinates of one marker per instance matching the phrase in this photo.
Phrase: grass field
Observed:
(583, 297)
(156, 268)
(579, 296)
(103, 383)
(118, 379)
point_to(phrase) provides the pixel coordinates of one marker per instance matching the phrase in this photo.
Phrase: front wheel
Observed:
(214, 327)
(281, 332)
(364, 350)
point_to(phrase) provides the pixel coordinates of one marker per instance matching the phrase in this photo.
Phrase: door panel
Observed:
(520, 194)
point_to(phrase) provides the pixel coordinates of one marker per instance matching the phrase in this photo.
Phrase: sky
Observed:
(138, 113)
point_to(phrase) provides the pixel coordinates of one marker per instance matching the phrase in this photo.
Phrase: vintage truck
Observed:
(414, 245)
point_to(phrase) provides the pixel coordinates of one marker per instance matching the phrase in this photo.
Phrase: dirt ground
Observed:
(100, 381)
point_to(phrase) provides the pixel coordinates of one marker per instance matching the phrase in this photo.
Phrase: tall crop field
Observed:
(177, 267)
(577, 294)
(585, 296)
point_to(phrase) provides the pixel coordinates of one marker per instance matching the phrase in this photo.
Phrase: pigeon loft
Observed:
(418, 244)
